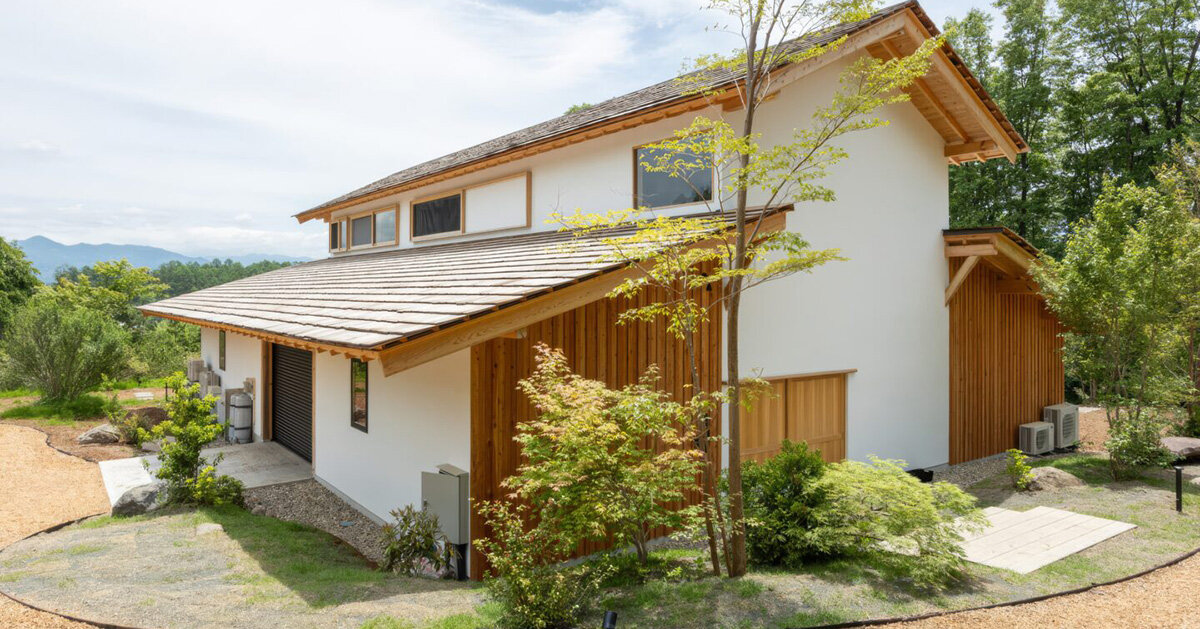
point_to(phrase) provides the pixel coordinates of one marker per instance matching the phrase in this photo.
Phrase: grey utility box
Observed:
(445, 494)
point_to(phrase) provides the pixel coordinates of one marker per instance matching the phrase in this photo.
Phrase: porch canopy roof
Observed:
(1000, 248)
(378, 305)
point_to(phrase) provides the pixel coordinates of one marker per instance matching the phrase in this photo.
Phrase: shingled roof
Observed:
(370, 300)
(650, 98)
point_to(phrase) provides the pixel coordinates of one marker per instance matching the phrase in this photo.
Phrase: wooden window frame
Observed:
(462, 207)
(637, 167)
(348, 226)
(367, 394)
(221, 350)
(343, 225)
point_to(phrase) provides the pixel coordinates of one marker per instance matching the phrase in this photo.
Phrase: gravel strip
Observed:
(34, 483)
(308, 502)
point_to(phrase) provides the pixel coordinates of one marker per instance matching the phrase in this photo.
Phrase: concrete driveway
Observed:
(255, 464)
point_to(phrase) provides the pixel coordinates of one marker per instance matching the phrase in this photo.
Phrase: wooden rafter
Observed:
(923, 87)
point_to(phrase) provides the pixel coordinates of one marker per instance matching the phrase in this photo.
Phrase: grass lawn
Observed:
(90, 406)
(857, 588)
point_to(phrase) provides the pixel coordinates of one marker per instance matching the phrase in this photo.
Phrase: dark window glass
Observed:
(385, 227)
(661, 189)
(437, 216)
(221, 350)
(360, 231)
(335, 235)
(358, 394)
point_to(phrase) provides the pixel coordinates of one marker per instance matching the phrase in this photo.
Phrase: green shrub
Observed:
(189, 477)
(134, 424)
(62, 349)
(526, 580)
(414, 541)
(913, 529)
(82, 407)
(1018, 470)
(592, 469)
(1135, 443)
(779, 499)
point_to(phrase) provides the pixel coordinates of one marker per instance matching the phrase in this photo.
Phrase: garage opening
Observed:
(292, 399)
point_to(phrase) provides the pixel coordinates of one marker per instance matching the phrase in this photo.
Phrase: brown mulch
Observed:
(41, 487)
(1164, 598)
(1093, 428)
(63, 437)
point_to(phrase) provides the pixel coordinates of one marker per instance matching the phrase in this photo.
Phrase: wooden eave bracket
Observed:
(961, 276)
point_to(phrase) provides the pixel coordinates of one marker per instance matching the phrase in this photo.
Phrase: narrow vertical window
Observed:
(221, 350)
(335, 235)
(358, 394)
(360, 231)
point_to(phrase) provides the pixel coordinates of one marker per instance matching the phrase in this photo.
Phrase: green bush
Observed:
(61, 349)
(189, 477)
(1134, 443)
(414, 541)
(1018, 470)
(780, 498)
(531, 588)
(913, 529)
(83, 407)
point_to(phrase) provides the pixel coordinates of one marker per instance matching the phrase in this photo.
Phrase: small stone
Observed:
(209, 527)
(139, 500)
(345, 523)
(1182, 447)
(1051, 478)
(258, 510)
(104, 433)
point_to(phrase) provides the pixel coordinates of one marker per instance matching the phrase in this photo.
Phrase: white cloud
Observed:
(206, 125)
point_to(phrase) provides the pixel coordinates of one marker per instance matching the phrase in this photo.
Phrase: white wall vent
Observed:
(1065, 418)
(1037, 438)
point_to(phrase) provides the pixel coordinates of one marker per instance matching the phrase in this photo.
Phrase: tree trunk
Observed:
(708, 476)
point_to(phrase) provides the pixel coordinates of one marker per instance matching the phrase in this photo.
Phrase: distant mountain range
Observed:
(48, 256)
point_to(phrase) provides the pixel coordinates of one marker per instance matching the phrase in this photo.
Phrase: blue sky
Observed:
(202, 127)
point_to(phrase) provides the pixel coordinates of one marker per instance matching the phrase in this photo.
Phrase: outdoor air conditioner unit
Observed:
(1037, 438)
(1065, 418)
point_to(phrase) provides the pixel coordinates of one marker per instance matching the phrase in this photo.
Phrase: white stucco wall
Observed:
(243, 359)
(417, 420)
(881, 311)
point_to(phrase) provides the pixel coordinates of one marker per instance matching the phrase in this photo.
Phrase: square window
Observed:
(358, 394)
(437, 216)
(657, 189)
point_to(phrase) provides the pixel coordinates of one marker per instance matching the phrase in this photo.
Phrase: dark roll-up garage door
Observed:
(291, 399)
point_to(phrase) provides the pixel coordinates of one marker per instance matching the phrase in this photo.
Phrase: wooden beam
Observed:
(971, 149)
(508, 320)
(923, 87)
(1013, 252)
(960, 277)
(942, 64)
(964, 251)
(1015, 287)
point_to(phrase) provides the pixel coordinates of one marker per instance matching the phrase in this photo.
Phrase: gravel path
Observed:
(310, 503)
(32, 497)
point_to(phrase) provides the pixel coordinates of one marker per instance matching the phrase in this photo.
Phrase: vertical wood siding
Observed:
(1005, 364)
(597, 348)
(810, 409)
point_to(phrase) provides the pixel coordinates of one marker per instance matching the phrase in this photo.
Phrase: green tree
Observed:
(591, 466)
(774, 174)
(1021, 72)
(61, 348)
(18, 281)
(114, 288)
(1141, 93)
(187, 277)
(190, 425)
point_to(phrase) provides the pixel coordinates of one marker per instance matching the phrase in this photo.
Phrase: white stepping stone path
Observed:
(1023, 541)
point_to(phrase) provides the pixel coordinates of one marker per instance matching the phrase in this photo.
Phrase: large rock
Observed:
(140, 499)
(148, 416)
(1051, 478)
(1182, 447)
(104, 433)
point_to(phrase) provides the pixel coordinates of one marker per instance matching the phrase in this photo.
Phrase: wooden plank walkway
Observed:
(1023, 541)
